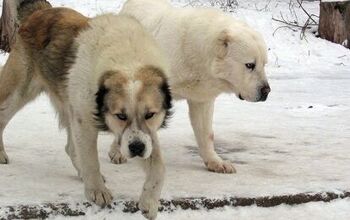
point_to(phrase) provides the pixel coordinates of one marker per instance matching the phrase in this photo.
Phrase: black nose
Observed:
(136, 148)
(264, 92)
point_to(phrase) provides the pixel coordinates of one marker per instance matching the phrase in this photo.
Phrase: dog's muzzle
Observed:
(264, 92)
(137, 148)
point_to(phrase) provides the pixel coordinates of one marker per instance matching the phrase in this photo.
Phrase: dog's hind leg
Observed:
(114, 153)
(16, 89)
(201, 115)
(155, 171)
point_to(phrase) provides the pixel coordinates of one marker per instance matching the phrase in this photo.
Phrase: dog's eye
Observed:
(122, 116)
(149, 115)
(250, 66)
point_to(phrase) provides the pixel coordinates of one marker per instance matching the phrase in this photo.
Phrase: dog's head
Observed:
(240, 62)
(133, 108)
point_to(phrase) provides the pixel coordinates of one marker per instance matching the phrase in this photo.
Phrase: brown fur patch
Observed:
(28, 7)
(54, 24)
(113, 80)
(49, 38)
(155, 89)
(152, 79)
(150, 76)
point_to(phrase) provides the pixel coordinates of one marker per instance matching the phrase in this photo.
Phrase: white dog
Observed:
(210, 53)
(104, 73)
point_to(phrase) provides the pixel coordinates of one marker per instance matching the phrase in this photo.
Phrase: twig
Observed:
(288, 23)
(286, 26)
(264, 8)
(303, 27)
(307, 13)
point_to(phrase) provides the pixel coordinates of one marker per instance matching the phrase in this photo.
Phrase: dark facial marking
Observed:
(167, 103)
(101, 108)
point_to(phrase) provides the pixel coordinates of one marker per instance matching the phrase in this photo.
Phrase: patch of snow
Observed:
(279, 147)
(338, 209)
(335, 0)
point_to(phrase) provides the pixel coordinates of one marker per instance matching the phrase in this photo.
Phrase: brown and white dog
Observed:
(210, 53)
(104, 73)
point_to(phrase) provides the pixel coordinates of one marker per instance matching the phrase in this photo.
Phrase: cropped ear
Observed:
(222, 43)
(167, 102)
(101, 108)
(109, 81)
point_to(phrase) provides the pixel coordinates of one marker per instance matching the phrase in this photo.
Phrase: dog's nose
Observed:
(136, 148)
(264, 92)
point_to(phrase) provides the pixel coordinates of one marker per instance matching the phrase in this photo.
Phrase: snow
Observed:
(338, 209)
(334, 0)
(296, 142)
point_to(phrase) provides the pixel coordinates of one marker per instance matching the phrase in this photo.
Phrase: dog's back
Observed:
(149, 12)
(27, 8)
(119, 42)
(48, 36)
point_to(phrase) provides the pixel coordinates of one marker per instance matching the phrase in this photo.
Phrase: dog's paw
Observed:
(101, 196)
(148, 207)
(3, 158)
(116, 157)
(220, 166)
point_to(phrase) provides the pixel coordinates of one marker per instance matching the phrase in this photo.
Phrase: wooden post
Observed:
(334, 22)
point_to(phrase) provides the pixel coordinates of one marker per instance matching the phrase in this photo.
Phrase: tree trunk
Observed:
(9, 23)
(335, 21)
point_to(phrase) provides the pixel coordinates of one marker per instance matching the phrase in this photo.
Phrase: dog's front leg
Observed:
(155, 171)
(201, 115)
(114, 153)
(3, 156)
(85, 142)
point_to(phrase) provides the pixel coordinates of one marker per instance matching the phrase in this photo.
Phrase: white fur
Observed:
(111, 43)
(132, 134)
(208, 52)
(113, 51)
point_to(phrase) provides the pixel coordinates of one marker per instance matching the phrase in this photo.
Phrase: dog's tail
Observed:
(15, 12)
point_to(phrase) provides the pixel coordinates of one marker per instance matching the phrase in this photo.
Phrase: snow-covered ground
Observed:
(296, 142)
(315, 210)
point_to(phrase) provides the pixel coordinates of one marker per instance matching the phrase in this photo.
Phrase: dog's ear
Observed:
(101, 108)
(224, 39)
(167, 102)
(109, 81)
(100, 97)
